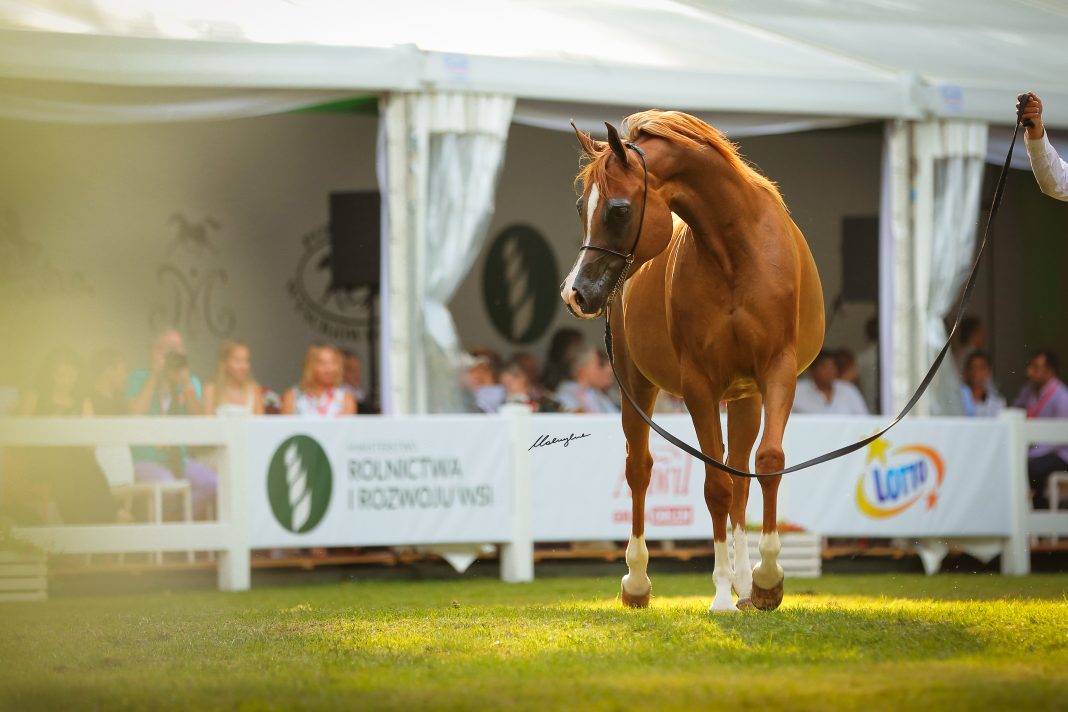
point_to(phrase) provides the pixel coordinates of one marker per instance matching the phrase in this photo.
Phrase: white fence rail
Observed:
(227, 537)
(1029, 523)
(533, 482)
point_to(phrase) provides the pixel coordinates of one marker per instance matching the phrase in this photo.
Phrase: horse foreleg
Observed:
(778, 391)
(704, 408)
(743, 425)
(636, 588)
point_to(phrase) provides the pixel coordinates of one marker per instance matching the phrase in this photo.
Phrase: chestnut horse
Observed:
(724, 305)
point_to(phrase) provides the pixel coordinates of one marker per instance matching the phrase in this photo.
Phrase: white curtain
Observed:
(442, 155)
(951, 156)
(931, 212)
(895, 253)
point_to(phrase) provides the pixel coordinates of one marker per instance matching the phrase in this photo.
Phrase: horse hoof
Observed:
(767, 599)
(745, 604)
(636, 601)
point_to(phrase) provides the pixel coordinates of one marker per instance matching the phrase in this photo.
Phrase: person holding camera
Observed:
(167, 387)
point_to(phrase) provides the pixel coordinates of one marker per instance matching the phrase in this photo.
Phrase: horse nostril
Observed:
(580, 300)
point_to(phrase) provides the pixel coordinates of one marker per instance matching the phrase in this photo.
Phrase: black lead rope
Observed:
(842, 451)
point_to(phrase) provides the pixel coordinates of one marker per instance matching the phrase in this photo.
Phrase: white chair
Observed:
(116, 461)
(1057, 483)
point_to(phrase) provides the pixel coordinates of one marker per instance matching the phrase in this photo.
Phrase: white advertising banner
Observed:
(928, 477)
(379, 481)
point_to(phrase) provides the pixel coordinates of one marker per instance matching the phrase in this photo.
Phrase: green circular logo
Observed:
(519, 284)
(299, 483)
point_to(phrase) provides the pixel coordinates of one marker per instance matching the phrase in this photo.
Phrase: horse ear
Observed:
(616, 144)
(589, 147)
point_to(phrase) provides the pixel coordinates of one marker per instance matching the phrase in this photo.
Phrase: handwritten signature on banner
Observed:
(545, 440)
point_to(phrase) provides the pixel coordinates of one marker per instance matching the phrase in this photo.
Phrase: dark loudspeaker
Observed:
(860, 259)
(355, 240)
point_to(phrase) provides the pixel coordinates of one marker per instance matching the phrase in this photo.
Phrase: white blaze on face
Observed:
(567, 292)
(637, 583)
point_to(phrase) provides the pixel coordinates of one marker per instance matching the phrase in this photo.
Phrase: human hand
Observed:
(1033, 113)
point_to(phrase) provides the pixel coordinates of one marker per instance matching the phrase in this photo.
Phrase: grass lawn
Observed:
(840, 642)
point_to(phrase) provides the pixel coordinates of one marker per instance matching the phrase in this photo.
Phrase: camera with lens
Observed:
(175, 361)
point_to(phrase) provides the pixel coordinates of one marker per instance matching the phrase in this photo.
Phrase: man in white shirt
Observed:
(824, 393)
(1050, 170)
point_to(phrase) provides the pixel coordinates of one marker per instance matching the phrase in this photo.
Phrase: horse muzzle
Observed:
(579, 305)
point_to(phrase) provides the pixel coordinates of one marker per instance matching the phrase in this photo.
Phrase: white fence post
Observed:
(234, 567)
(1016, 556)
(517, 556)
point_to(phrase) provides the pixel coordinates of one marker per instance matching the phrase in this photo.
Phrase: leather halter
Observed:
(627, 257)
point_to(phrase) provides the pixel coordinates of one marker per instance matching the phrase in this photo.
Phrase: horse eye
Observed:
(578, 206)
(618, 213)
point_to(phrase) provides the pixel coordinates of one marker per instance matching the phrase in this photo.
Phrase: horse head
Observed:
(625, 223)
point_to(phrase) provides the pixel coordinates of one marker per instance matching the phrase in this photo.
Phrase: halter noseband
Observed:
(628, 258)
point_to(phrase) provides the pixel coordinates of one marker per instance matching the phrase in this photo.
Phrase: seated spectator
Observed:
(971, 337)
(848, 368)
(516, 383)
(824, 393)
(483, 391)
(583, 391)
(352, 379)
(977, 397)
(167, 387)
(606, 380)
(234, 391)
(565, 343)
(542, 396)
(319, 393)
(1044, 396)
(66, 476)
(58, 390)
(108, 381)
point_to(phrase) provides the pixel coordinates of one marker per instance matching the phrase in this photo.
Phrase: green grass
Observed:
(841, 642)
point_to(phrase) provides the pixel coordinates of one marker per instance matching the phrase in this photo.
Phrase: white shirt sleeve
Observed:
(1050, 170)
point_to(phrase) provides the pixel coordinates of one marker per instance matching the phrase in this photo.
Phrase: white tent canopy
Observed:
(868, 58)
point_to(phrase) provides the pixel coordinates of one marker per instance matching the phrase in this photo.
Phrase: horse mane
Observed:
(680, 128)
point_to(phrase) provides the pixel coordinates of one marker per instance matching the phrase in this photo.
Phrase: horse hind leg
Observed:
(636, 587)
(743, 424)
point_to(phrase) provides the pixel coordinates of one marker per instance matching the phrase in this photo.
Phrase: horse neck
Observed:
(719, 205)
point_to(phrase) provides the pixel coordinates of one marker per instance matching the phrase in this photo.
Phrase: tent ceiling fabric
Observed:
(861, 59)
(591, 117)
(70, 102)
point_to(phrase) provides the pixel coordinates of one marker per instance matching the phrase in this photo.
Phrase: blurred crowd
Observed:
(574, 377)
(42, 484)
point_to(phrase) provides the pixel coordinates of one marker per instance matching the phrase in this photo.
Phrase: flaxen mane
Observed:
(680, 128)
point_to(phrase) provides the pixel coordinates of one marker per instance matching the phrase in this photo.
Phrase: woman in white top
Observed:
(1049, 168)
(234, 391)
(320, 393)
